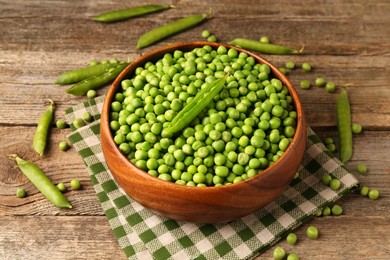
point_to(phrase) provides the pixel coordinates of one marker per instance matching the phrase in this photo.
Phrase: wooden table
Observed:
(345, 41)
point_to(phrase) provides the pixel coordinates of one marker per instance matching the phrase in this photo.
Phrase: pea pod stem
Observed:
(124, 14)
(344, 126)
(42, 182)
(42, 130)
(266, 48)
(192, 109)
(73, 76)
(81, 88)
(169, 29)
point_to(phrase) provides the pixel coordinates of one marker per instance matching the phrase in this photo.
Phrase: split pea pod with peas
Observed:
(192, 109)
(42, 130)
(81, 88)
(74, 76)
(42, 182)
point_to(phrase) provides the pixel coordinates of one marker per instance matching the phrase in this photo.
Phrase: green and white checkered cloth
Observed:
(144, 235)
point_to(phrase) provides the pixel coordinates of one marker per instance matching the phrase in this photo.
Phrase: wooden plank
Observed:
(343, 237)
(368, 96)
(340, 28)
(65, 166)
(37, 237)
(87, 237)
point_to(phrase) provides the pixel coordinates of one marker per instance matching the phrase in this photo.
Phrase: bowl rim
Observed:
(128, 72)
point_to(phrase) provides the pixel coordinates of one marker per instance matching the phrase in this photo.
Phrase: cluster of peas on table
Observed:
(245, 129)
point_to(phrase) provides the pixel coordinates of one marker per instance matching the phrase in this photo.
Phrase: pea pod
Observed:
(42, 130)
(123, 14)
(42, 182)
(192, 109)
(73, 76)
(267, 48)
(81, 88)
(167, 30)
(344, 126)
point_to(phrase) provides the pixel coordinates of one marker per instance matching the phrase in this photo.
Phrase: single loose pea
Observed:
(279, 253)
(312, 232)
(306, 66)
(326, 211)
(21, 193)
(373, 194)
(305, 84)
(283, 70)
(75, 184)
(356, 128)
(361, 168)
(335, 184)
(87, 117)
(320, 82)
(328, 140)
(364, 191)
(212, 38)
(91, 94)
(292, 256)
(290, 65)
(264, 39)
(61, 124)
(337, 210)
(326, 178)
(205, 34)
(291, 238)
(61, 186)
(330, 87)
(78, 122)
(331, 147)
(63, 145)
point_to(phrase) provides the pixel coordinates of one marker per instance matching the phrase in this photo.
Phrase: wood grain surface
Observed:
(345, 41)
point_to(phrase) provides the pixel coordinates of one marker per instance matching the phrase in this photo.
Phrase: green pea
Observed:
(290, 65)
(291, 238)
(292, 256)
(279, 253)
(364, 191)
(264, 39)
(373, 194)
(87, 117)
(361, 168)
(336, 210)
(356, 128)
(320, 82)
(61, 124)
(305, 84)
(306, 66)
(335, 184)
(91, 94)
(79, 122)
(61, 186)
(326, 211)
(63, 145)
(75, 184)
(330, 87)
(20, 193)
(312, 232)
(212, 38)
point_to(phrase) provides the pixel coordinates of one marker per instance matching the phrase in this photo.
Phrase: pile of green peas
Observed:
(245, 129)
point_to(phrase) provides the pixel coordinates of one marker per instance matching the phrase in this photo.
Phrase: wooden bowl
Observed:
(202, 204)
